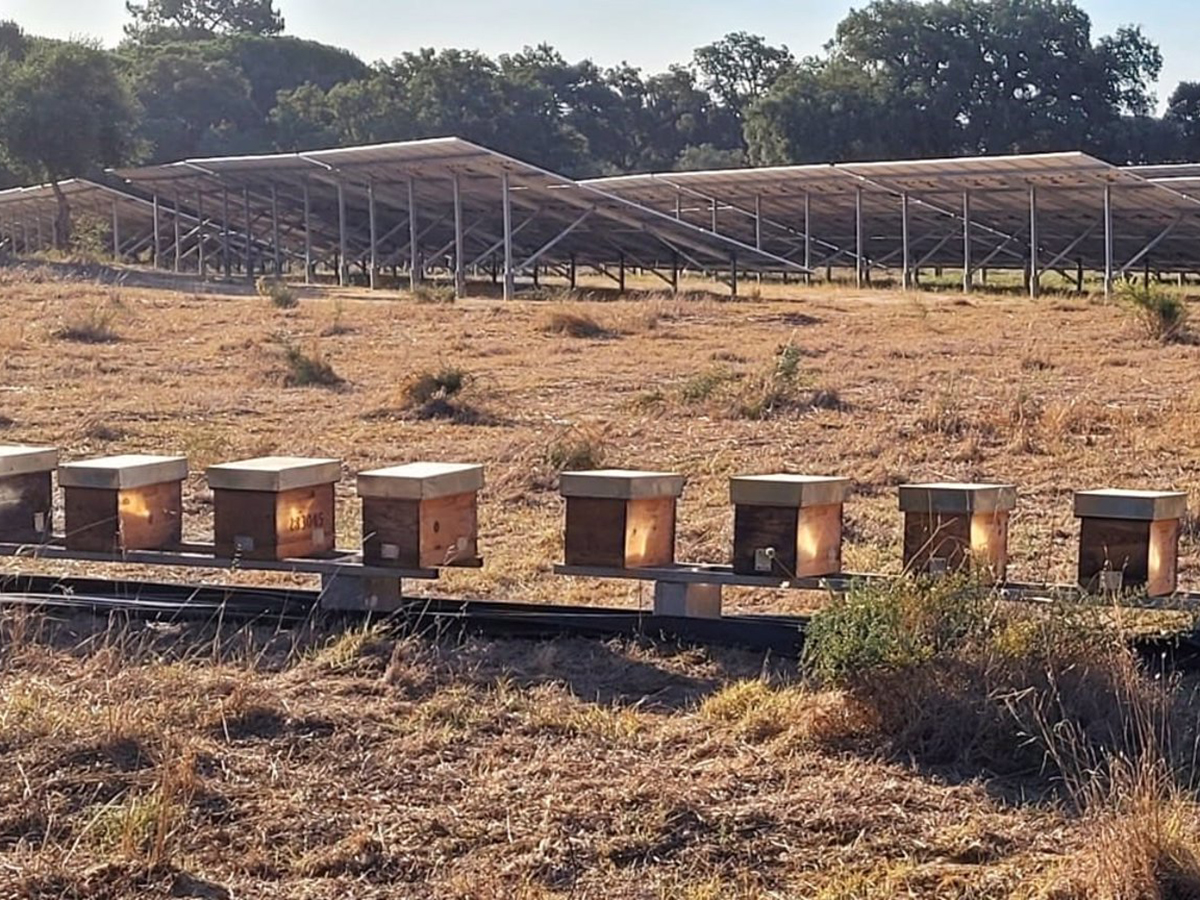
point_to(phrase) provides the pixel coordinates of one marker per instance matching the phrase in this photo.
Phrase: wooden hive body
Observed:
(119, 503)
(26, 493)
(422, 515)
(952, 527)
(788, 525)
(274, 508)
(620, 518)
(1130, 539)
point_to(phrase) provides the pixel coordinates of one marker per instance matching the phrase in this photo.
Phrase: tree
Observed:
(159, 20)
(191, 106)
(740, 68)
(64, 112)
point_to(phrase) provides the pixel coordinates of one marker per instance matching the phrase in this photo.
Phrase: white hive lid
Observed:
(788, 490)
(18, 459)
(420, 481)
(1121, 504)
(620, 484)
(957, 498)
(274, 473)
(119, 472)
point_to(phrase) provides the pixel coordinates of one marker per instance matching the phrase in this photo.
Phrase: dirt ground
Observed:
(148, 760)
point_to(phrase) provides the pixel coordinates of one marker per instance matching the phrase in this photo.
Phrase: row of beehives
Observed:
(421, 515)
(790, 526)
(424, 515)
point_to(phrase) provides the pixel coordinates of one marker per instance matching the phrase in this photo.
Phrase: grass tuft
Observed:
(277, 291)
(309, 368)
(572, 324)
(94, 324)
(1162, 315)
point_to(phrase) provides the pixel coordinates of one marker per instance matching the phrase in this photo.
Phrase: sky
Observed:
(650, 34)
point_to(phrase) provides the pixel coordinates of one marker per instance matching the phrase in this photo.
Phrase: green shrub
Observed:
(1161, 314)
(309, 369)
(277, 291)
(433, 293)
(702, 386)
(432, 395)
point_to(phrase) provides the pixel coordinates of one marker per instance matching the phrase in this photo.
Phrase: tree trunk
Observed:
(62, 219)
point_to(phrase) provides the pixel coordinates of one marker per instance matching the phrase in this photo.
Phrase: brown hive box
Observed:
(620, 518)
(421, 515)
(787, 525)
(274, 507)
(948, 527)
(118, 503)
(1129, 539)
(26, 493)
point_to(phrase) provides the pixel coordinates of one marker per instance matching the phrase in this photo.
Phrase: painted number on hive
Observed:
(306, 521)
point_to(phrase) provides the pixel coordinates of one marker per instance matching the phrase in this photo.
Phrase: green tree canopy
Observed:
(159, 20)
(64, 111)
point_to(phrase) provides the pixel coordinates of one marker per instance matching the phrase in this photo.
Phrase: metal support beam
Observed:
(1108, 242)
(460, 270)
(757, 221)
(554, 241)
(807, 237)
(506, 203)
(157, 234)
(178, 237)
(905, 250)
(733, 275)
(967, 280)
(343, 266)
(278, 264)
(714, 215)
(116, 233)
(226, 259)
(858, 237)
(373, 274)
(414, 250)
(249, 235)
(202, 258)
(1034, 274)
(1159, 238)
(308, 260)
(621, 274)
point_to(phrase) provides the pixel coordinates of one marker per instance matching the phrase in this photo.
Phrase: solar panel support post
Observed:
(967, 280)
(460, 262)
(37, 225)
(906, 261)
(679, 205)
(178, 237)
(621, 273)
(733, 275)
(201, 258)
(571, 272)
(1034, 274)
(807, 238)
(308, 262)
(674, 272)
(506, 203)
(713, 204)
(414, 249)
(275, 249)
(372, 224)
(758, 222)
(226, 259)
(1108, 242)
(858, 237)
(248, 256)
(116, 233)
(343, 267)
(157, 236)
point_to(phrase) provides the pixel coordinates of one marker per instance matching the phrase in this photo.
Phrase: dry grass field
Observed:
(146, 760)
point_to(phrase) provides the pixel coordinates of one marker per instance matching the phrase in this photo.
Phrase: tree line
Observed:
(898, 79)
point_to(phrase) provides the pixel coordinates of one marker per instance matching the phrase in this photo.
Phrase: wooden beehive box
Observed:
(274, 507)
(949, 527)
(422, 515)
(788, 525)
(122, 503)
(1130, 539)
(26, 493)
(620, 518)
